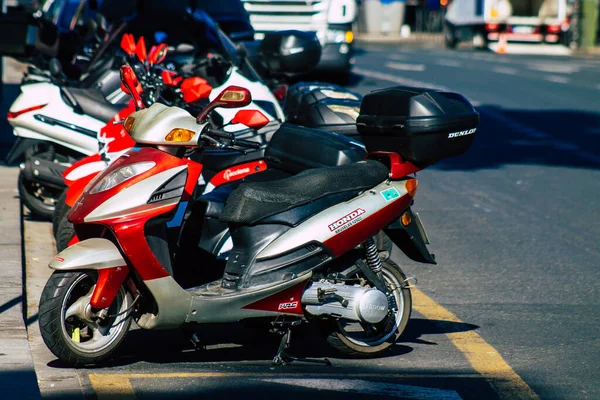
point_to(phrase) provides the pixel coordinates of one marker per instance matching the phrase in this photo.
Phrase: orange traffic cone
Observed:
(501, 44)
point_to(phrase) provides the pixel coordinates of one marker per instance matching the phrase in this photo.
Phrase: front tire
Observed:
(370, 340)
(74, 340)
(64, 234)
(60, 209)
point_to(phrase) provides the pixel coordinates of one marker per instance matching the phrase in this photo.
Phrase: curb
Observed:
(18, 379)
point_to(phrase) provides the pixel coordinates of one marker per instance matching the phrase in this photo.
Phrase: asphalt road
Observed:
(514, 224)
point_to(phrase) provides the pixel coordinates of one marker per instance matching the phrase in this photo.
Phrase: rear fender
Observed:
(410, 239)
(100, 255)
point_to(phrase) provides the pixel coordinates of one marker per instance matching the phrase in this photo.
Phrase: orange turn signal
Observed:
(406, 219)
(180, 135)
(129, 124)
(411, 187)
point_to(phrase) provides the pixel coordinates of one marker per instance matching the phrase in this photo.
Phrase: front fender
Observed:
(97, 254)
(93, 253)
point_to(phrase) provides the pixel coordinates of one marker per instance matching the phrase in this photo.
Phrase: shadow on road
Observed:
(418, 327)
(563, 138)
(239, 342)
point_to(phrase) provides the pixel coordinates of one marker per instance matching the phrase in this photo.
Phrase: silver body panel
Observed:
(134, 198)
(318, 227)
(154, 123)
(93, 253)
(228, 307)
(173, 304)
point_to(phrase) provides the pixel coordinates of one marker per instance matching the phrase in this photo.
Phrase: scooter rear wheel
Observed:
(361, 340)
(72, 338)
(35, 198)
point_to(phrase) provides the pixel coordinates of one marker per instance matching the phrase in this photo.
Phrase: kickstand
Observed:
(283, 358)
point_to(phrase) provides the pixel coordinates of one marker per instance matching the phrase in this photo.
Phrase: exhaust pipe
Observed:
(44, 172)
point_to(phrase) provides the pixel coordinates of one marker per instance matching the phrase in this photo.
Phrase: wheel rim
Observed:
(371, 335)
(89, 337)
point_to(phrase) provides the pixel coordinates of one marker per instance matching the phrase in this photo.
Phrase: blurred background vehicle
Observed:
(331, 20)
(485, 21)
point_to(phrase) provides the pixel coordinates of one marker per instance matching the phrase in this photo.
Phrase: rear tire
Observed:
(72, 340)
(32, 195)
(64, 234)
(386, 333)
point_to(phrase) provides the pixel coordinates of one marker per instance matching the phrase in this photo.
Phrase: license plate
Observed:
(522, 29)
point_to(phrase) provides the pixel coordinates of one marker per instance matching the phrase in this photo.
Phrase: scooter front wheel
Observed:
(69, 330)
(362, 340)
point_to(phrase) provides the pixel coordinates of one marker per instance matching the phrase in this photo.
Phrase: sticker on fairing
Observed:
(390, 194)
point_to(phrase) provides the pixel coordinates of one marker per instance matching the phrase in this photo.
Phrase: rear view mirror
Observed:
(131, 85)
(251, 118)
(140, 49)
(158, 54)
(230, 97)
(290, 52)
(128, 44)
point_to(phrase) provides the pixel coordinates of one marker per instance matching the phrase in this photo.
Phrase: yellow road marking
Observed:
(484, 359)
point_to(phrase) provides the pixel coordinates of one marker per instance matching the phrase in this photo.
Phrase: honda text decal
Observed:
(347, 221)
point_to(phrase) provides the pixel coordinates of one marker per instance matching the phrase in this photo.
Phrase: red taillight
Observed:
(15, 114)
(491, 27)
(509, 29)
(553, 29)
(536, 29)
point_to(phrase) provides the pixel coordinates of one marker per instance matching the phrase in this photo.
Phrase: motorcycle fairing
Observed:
(271, 251)
(338, 234)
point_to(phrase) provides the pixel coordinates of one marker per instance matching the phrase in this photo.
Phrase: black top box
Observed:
(422, 125)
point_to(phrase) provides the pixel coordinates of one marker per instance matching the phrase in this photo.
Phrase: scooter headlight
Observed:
(121, 175)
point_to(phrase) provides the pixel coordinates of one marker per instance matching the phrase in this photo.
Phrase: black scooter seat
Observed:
(252, 202)
(90, 101)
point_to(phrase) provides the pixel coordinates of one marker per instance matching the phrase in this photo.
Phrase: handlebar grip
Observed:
(247, 143)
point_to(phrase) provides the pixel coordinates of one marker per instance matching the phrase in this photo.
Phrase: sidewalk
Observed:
(17, 376)
(18, 380)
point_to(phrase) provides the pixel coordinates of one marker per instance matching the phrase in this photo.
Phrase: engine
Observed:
(343, 301)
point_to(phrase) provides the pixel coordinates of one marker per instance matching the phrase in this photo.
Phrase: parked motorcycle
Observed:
(303, 247)
(69, 118)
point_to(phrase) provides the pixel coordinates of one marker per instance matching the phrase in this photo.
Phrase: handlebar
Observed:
(213, 133)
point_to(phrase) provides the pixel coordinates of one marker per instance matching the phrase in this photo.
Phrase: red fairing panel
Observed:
(286, 302)
(238, 172)
(76, 188)
(398, 167)
(356, 234)
(89, 202)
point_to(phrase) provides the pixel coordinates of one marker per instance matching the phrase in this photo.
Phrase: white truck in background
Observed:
(525, 21)
(331, 20)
